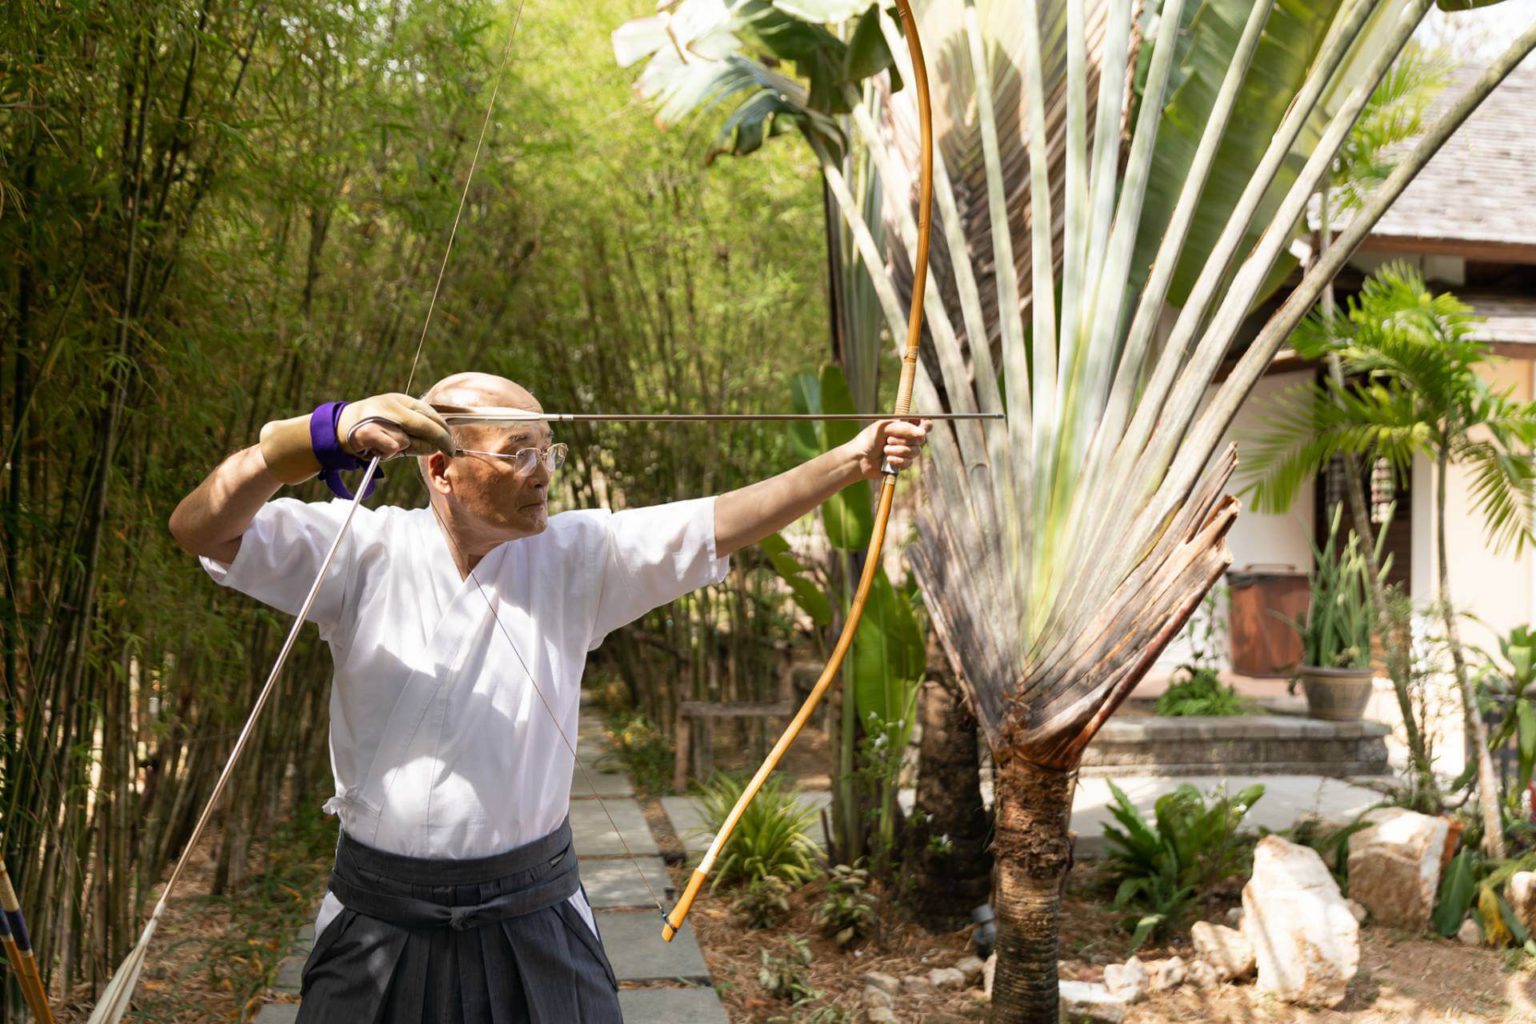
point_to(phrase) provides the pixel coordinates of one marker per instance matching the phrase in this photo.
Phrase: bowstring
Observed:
(474, 163)
(437, 286)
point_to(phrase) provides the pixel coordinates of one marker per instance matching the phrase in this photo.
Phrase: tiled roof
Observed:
(1511, 319)
(1481, 186)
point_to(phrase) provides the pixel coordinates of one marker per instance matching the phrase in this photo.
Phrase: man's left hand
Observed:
(895, 441)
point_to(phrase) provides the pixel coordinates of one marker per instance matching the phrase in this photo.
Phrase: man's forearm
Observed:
(211, 520)
(748, 514)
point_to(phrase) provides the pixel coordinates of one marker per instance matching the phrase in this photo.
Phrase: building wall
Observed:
(1498, 588)
(1259, 538)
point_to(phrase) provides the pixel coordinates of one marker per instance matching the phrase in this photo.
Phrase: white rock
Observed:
(883, 982)
(880, 1015)
(1394, 867)
(1358, 909)
(1521, 893)
(1128, 980)
(1202, 974)
(1305, 941)
(988, 972)
(973, 967)
(1225, 949)
(946, 977)
(1090, 1001)
(1165, 974)
(877, 997)
(1470, 934)
(916, 984)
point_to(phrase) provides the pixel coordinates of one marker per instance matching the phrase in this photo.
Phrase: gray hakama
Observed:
(494, 940)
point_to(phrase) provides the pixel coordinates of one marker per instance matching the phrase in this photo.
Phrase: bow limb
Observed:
(674, 920)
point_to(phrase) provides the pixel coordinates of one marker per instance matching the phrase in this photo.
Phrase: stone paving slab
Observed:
(595, 837)
(283, 1013)
(290, 973)
(635, 947)
(616, 882)
(672, 1006)
(591, 749)
(594, 782)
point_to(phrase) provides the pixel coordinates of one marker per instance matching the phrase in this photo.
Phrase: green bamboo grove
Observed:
(219, 214)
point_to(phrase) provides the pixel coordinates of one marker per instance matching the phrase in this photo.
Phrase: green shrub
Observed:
(773, 838)
(847, 911)
(1162, 867)
(643, 749)
(1473, 884)
(1336, 631)
(763, 902)
(818, 1015)
(1201, 692)
(784, 977)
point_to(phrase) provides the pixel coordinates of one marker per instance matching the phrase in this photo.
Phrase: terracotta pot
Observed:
(1453, 830)
(1336, 694)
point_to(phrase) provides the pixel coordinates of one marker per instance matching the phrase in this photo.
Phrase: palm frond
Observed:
(1503, 491)
(1078, 200)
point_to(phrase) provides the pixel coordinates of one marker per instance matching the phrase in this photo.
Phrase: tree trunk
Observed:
(1399, 661)
(949, 868)
(1034, 853)
(1487, 781)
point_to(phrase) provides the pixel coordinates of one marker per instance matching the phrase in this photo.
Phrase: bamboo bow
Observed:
(18, 950)
(674, 920)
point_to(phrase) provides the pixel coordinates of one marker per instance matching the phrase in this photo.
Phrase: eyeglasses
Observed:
(524, 459)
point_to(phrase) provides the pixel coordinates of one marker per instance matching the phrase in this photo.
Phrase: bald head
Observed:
(470, 390)
(480, 498)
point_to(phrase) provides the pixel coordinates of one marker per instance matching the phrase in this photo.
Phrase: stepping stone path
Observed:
(676, 983)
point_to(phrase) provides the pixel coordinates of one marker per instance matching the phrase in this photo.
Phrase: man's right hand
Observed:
(393, 424)
(384, 425)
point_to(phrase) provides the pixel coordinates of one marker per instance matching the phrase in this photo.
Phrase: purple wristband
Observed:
(333, 458)
(18, 929)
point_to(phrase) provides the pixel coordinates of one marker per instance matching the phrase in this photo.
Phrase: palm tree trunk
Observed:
(1034, 853)
(1487, 782)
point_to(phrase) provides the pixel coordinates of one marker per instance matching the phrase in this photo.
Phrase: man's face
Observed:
(506, 502)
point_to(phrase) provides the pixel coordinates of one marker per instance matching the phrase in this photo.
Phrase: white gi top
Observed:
(440, 746)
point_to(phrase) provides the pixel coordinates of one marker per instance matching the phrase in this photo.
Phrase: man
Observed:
(458, 634)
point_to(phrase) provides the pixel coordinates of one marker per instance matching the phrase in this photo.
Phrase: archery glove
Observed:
(288, 450)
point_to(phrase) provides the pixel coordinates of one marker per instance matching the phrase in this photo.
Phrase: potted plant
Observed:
(1336, 670)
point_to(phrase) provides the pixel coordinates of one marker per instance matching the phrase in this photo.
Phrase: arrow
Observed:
(491, 416)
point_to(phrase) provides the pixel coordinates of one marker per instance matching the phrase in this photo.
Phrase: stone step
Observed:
(671, 1006)
(1241, 744)
(615, 883)
(599, 782)
(594, 833)
(637, 951)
